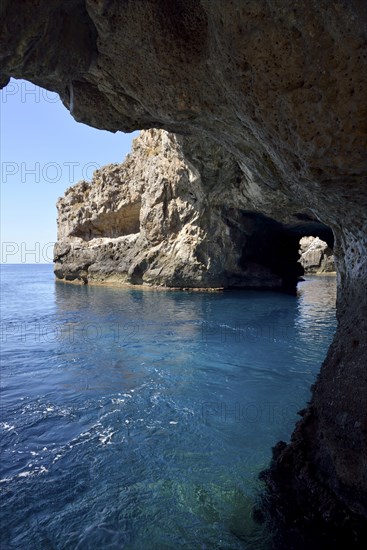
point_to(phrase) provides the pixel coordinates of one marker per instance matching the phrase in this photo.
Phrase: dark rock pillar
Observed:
(320, 478)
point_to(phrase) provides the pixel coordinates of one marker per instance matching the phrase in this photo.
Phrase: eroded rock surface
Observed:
(177, 214)
(316, 256)
(282, 86)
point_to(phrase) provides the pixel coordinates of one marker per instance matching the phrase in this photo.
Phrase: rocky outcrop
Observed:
(281, 86)
(174, 214)
(316, 256)
(151, 220)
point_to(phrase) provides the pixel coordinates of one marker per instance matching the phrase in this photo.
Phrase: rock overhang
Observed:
(281, 87)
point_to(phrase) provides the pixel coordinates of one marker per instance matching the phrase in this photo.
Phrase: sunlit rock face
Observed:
(316, 256)
(174, 214)
(282, 86)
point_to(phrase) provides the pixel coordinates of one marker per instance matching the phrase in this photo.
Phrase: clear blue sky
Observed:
(42, 152)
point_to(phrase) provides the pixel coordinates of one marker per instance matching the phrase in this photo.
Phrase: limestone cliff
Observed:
(282, 86)
(176, 214)
(316, 256)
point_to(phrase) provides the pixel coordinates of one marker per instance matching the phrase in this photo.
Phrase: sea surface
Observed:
(141, 419)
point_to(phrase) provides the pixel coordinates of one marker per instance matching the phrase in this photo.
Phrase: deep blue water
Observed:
(141, 419)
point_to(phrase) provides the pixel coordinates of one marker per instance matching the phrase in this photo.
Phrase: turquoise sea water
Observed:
(141, 419)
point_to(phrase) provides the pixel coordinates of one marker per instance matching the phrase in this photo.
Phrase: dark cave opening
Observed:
(270, 250)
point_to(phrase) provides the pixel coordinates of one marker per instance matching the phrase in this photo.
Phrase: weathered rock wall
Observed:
(174, 214)
(280, 85)
(316, 256)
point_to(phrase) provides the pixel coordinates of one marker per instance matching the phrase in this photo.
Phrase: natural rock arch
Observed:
(282, 87)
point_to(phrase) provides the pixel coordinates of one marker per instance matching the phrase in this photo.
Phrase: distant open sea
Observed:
(141, 419)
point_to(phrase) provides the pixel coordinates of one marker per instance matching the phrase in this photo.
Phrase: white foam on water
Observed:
(7, 427)
(105, 437)
(27, 473)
